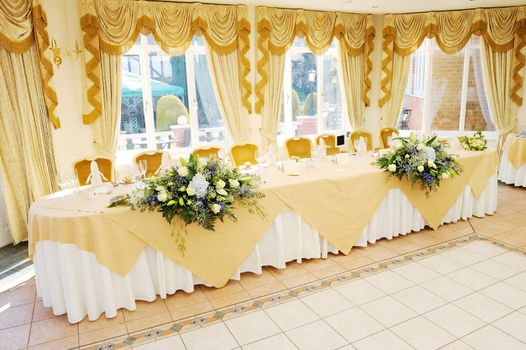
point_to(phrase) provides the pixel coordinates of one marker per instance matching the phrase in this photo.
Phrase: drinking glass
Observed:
(62, 181)
(143, 165)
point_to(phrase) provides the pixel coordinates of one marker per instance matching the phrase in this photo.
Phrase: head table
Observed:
(512, 168)
(91, 259)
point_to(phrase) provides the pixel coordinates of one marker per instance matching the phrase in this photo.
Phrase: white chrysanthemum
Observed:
(199, 184)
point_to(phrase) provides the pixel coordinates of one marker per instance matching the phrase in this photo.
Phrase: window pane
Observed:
(332, 98)
(210, 124)
(304, 99)
(412, 114)
(477, 111)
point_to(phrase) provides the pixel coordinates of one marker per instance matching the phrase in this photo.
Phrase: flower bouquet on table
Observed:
(477, 142)
(196, 191)
(422, 161)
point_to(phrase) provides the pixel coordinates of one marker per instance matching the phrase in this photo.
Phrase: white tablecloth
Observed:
(507, 172)
(72, 281)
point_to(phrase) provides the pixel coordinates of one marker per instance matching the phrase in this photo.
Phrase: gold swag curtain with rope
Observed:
(277, 28)
(112, 26)
(27, 161)
(502, 30)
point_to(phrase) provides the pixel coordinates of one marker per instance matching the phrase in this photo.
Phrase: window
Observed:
(168, 102)
(445, 92)
(312, 97)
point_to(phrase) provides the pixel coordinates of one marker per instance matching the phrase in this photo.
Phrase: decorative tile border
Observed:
(218, 315)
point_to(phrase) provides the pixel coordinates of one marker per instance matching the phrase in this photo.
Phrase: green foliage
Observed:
(311, 104)
(296, 105)
(169, 108)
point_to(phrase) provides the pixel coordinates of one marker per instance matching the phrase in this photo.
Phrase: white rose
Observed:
(220, 184)
(162, 196)
(431, 164)
(216, 208)
(222, 192)
(190, 191)
(420, 168)
(477, 136)
(445, 176)
(392, 168)
(420, 146)
(182, 171)
(233, 183)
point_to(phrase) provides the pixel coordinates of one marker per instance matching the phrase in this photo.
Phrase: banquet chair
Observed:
(298, 147)
(82, 169)
(356, 135)
(330, 142)
(384, 135)
(207, 152)
(244, 153)
(154, 160)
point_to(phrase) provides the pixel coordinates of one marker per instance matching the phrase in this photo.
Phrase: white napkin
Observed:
(362, 148)
(291, 167)
(389, 140)
(95, 177)
(342, 158)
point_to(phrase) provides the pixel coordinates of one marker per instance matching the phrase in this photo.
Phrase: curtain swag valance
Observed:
(277, 28)
(22, 23)
(502, 29)
(112, 26)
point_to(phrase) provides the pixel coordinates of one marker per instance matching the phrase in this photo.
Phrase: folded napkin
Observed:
(95, 177)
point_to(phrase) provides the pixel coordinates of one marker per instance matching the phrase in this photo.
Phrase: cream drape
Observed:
(106, 128)
(497, 68)
(390, 111)
(27, 161)
(273, 92)
(351, 68)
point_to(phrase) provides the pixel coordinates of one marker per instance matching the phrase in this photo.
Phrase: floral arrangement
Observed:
(421, 160)
(195, 191)
(477, 142)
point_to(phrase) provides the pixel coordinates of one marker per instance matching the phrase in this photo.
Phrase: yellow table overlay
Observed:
(338, 201)
(516, 150)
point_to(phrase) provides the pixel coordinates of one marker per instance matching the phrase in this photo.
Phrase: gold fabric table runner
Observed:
(515, 149)
(338, 201)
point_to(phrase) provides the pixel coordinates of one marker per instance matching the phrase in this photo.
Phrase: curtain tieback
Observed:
(510, 128)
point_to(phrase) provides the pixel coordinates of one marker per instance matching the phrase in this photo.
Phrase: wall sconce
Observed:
(58, 52)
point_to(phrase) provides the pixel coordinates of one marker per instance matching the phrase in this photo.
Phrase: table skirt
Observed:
(509, 175)
(72, 281)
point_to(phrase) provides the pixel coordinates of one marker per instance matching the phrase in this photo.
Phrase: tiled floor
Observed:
(461, 287)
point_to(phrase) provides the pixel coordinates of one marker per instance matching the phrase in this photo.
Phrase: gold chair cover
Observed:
(244, 153)
(298, 147)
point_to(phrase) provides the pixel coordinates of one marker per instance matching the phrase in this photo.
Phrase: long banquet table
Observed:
(512, 169)
(90, 259)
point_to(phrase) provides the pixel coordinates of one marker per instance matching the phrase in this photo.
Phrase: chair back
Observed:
(385, 133)
(330, 142)
(154, 160)
(299, 147)
(206, 152)
(82, 168)
(243, 153)
(356, 135)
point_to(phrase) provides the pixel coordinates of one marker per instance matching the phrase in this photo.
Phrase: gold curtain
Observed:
(501, 28)
(390, 112)
(351, 68)
(27, 161)
(112, 26)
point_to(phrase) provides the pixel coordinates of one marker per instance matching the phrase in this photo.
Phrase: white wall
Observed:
(74, 140)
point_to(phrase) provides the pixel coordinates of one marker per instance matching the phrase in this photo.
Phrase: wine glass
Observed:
(143, 165)
(62, 181)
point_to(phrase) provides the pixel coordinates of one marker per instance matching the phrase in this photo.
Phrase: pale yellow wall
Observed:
(74, 140)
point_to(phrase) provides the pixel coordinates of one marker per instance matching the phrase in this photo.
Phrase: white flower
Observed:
(445, 176)
(200, 184)
(216, 208)
(477, 136)
(430, 152)
(182, 171)
(431, 164)
(407, 156)
(392, 168)
(159, 188)
(233, 183)
(222, 192)
(420, 168)
(420, 146)
(162, 196)
(190, 191)
(220, 184)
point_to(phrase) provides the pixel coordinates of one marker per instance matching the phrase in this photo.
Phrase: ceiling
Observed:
(375, 6)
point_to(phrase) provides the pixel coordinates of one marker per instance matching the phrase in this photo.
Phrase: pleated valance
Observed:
(112, 26)
(502, 29)
(277, 28)
(22, 22)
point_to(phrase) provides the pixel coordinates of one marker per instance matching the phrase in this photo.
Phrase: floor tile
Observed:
(276, 342)
(506, 294)
(419, 299)
(15, 338)
(317, 335)
(359, 291)
(457, 345)
(514, 324)
(447, 288)
(389, 282)
(252, 327)
(518, 281)
(454, 320)
(11, 316)
(463, 256)
(148, 322)
(354, 324)
(422, 334)
(381, 341)
(327, 302)
(173, 342)
(472, 278)
(491, 338)
(512, 259)
(291, 314)
(213, 337)
(415, 272)
(388, 311)
(103, 334)
(483, 307)
(495, 269)
(484, 248)
(67, 343)
(441, 264)
(52, 329)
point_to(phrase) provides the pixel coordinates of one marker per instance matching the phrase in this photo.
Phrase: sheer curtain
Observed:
(5, 234)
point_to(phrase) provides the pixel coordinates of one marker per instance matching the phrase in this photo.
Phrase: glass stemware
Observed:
(143, 166)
